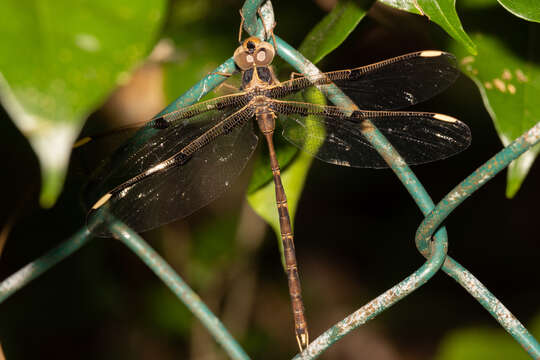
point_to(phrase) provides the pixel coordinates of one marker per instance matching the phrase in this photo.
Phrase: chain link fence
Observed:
(431, 238)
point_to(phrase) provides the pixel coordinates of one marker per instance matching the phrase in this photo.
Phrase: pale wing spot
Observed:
(261, 55)
(249, 58)
(431, 53)
(506, 75)
(488, 85)
(102, 201)
(446, 118)
(511, 89)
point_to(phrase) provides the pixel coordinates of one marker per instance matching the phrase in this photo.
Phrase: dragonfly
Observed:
(182, 160)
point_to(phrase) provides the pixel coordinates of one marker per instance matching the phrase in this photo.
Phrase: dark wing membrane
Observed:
(173, 173)
(333, 136)
(163, 120)
(390, 84)
(219, 103)
(138, 134)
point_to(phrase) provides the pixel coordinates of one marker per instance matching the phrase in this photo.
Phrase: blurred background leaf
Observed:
(334, 28)
(199, 48)
(353, 227)
(442, 12)
(525, 9)
(484, 344)
(507, 73)
(60, 60)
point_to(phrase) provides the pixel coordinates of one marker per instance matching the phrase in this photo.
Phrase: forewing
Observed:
(135, 139)
(157, 183)
(387, 85)
(333, 136)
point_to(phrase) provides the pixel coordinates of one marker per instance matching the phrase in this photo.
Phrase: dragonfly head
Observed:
(253, 52)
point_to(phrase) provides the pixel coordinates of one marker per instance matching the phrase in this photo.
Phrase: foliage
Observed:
(478, 344)
(507, 73)
(54, 73)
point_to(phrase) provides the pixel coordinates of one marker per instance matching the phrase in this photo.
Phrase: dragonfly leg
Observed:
(294, 73)
(295, 290)
(268, 33)
(241, 26)
(231, 88)
(220, 73)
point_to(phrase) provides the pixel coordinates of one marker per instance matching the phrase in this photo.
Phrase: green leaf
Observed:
(325, 37)
(58, 62)
(525, 9)
(334, 29)
(507, 73)
(442, 12)
(480, 344)
(263, 201)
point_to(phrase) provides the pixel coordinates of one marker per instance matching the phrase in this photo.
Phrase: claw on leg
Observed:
(303, 340)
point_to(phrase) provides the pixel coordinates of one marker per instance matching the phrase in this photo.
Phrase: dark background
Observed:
(354, 232)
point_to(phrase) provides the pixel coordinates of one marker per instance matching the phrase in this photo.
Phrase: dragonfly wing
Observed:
(387, 85)
(334, 136)
(102, 145)
(180, 169)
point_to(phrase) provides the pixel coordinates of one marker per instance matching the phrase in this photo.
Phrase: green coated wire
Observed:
(22, 277)
(419, 277)
(378, 305)
(192, 301)
(454, 198)
(423, 200)
(370, 310)
(37, 267)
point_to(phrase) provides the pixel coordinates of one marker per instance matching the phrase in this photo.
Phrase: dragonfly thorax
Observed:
(257, 77)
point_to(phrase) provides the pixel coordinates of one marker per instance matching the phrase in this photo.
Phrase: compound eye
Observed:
(264, 56)
(261, 56)
(250, 46)
(243, 59)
